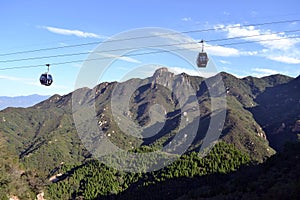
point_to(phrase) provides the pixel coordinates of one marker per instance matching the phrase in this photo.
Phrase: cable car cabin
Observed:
(202, 59)
(46, 79)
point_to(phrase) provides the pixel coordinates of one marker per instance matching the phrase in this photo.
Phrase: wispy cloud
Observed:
(77, 33)
(293, 24)
(32, 82)
(222, 51)
(285, 59)
(192, 45)
(192, 72)
(186, 19)
(124, 58)
(260, 72)
(179, 70)
(225, 62)
(253, 13)
(14, 78)
(285, 51)
(226, 13)
(275, 46)
(264, 38)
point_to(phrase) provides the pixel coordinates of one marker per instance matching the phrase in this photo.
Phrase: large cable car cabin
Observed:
(202, 58)
(46, 78)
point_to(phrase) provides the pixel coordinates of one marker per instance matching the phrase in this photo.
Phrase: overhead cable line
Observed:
(151, 36)
(266, 40)
(137, 54)
(152, 46)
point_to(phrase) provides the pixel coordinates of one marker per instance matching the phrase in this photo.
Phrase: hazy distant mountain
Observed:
(21, 101)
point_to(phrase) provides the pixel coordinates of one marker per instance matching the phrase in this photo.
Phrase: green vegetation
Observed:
(94, 179)
(12, 177)
(277, 178)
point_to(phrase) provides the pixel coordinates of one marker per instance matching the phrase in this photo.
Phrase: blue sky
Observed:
(34, 24)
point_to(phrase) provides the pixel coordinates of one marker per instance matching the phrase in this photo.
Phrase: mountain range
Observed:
(21, 101)
(261, 115)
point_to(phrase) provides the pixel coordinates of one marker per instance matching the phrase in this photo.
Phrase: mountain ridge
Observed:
(21, 101)
(238, 91)
(47, 131)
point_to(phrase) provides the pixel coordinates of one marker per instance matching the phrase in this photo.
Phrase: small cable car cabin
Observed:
(202, 58)
(46, 78)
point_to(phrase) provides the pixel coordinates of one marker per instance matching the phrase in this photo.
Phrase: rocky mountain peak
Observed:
(162, 73)
(162, 76)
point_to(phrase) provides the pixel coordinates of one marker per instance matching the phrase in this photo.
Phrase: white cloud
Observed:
(149, 70)
(291, 56)
(32, 82)
(263, 37)
(260, 72)
(214, 50)
(176, 42)
(277, 46)
(285, 59)
(249, 53)
(76, 65)
(226, 13)
(222, 51)
(14, 78)
(294, 24)
(124, 58)
(286, 48)
(225, 62)
(186, 19)
(176, 38)
(179, 70)
(192, 72)
(77, 33)
(253, 13)
(266, 71)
